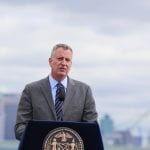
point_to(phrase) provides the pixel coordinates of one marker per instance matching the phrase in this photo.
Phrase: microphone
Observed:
(62, 94)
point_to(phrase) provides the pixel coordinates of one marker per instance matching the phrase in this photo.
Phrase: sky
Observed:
(110, 40)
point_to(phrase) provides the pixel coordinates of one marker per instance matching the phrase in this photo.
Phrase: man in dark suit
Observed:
(38, 98)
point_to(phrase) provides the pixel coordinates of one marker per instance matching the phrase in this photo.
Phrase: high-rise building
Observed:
(2, 117)
(8, 109)
(107, 125)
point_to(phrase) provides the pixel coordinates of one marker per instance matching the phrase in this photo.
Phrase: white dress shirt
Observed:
(53, 84)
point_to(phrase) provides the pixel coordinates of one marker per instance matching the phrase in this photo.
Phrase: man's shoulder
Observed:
(78, 82)
(38, 82)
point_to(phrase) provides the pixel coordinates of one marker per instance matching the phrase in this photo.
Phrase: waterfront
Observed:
(13, 145)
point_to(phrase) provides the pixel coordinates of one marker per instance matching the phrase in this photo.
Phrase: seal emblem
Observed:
(63, 138)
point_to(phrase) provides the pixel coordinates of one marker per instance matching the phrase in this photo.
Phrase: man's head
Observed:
(60, 61)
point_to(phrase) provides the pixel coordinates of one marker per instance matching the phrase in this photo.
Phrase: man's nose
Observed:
(64, 62)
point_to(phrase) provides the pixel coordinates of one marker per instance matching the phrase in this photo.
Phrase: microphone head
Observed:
(62, 94)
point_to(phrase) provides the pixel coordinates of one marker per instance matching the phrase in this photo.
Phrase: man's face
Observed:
(60, 63)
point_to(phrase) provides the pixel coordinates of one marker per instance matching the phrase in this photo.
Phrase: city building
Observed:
(8, 108)
(112, 136)
(107, 125)
(2, 117)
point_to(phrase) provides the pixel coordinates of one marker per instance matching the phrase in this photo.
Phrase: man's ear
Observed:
(50, 61)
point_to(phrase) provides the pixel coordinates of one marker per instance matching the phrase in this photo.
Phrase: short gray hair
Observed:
(64, 46)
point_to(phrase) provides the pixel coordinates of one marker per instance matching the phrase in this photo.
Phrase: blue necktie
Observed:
(59, 99)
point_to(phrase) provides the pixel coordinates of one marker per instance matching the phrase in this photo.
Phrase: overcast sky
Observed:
(111, 43)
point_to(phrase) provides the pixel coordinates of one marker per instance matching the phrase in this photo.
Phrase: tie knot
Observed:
(59, 85)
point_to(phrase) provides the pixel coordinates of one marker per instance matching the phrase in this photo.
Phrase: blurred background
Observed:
(111, 47)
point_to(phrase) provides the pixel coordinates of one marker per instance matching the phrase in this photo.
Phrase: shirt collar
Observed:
(53, 82)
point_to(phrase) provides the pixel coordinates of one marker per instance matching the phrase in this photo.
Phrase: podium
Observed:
(52, 135)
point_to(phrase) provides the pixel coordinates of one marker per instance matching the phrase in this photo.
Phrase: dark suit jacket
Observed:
(36, 103)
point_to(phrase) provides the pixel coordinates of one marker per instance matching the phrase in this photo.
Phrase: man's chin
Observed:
(62, 74)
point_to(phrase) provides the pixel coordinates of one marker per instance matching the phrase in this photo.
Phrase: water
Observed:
(9, 145)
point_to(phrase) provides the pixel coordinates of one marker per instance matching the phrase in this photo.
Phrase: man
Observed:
(39, 99)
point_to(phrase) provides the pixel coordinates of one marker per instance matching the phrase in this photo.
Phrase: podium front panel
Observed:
(36, 132)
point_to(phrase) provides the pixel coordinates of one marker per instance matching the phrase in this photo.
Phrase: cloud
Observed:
(110, 40)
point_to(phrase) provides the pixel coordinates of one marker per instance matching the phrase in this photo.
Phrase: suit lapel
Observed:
(69, 94)
(46, 90)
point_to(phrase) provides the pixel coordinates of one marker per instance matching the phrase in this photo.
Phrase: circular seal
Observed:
(63, 138)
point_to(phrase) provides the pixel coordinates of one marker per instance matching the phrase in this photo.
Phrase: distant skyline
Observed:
(111, 47)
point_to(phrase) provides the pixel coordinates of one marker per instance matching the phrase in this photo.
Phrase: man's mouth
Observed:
(62, 69)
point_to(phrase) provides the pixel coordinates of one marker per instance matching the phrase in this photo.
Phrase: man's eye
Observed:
(68, 60)
(59, 59)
